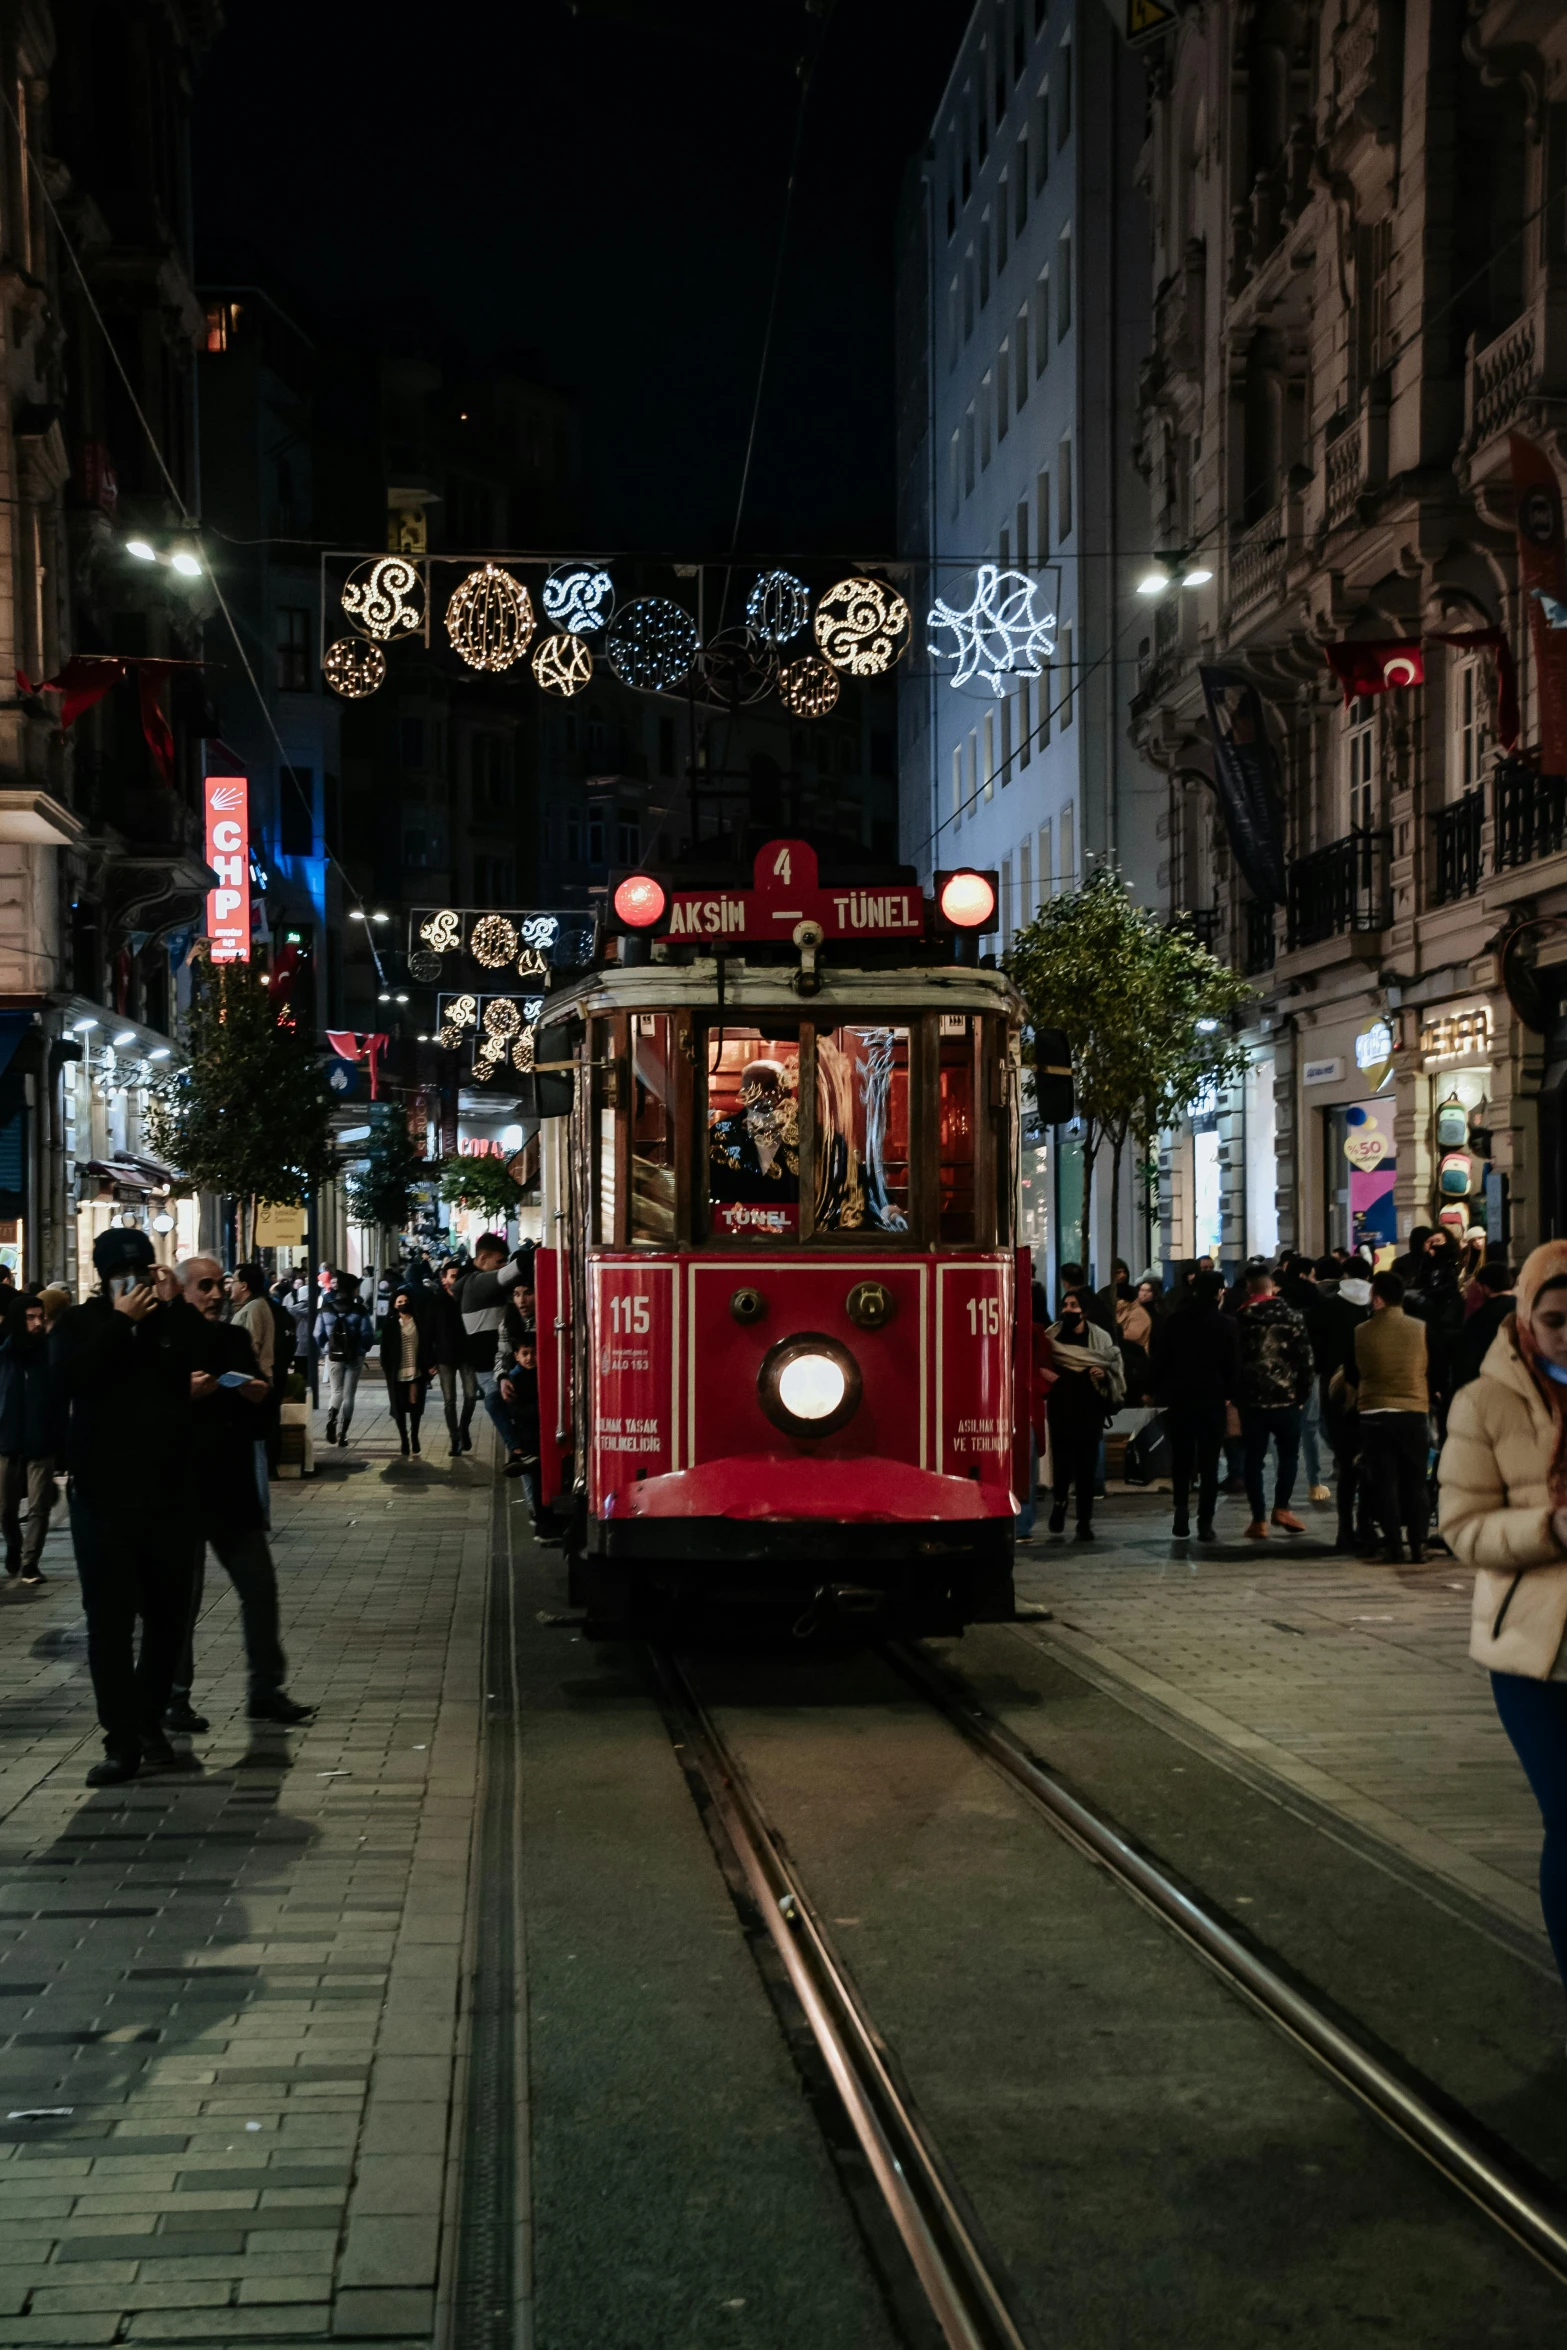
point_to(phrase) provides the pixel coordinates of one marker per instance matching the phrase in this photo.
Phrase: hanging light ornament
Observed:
(353, 668)
(863, 626)
(997, 637)
(652, 644)
(579, 598)
(809, 688)
(493, 941)
(385, 597)
(563, 664)
(457, 1013)
(490, 619)
(736, 668)
(442, 931)
(778, 607)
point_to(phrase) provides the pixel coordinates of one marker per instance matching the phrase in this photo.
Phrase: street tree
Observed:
(485, 1183)
(380, 1191)
(1146, 1011)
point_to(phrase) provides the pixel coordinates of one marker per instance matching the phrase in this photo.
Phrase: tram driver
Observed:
(754, 1151)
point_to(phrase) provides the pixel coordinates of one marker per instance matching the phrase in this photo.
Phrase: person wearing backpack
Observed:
(344, 1335)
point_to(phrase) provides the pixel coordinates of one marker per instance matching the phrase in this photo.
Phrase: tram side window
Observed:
(652, 1127)
(956, 1132)
(602, 1078)
(753, 1133)
(862, 1146)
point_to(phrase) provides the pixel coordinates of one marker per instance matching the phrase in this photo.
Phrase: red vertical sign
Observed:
(1542, 569)
(228, 853)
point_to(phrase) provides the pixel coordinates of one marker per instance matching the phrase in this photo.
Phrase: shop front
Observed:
(1349, 1162)
(1462, 1146)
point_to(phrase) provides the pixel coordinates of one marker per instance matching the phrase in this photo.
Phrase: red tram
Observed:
(782, 1322)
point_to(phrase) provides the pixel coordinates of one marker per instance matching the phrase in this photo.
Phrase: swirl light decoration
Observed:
(997, 636)
(579, 599)
(493, 941)
(490, 619)
(385, 597)
(522, 1053)
(808, 687)
(652, 644)
(563, 664)
(353, 668)
(458, 1013)
(778, 607)
(442, 932)
(863, 626)
(736, 668)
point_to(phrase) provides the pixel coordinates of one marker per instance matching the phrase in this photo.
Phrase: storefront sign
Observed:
(1323, 1072)
(1365, 1147)
(1458, 1036)
(279, 1227)
(227, 802)
(1374, 1050)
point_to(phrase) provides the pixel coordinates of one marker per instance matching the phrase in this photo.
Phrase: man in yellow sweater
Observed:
(1387, 1383)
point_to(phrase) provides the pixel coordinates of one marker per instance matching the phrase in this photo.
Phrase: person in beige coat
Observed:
(1503, 1476)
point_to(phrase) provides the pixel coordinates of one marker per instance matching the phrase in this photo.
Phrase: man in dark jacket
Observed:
(449, 1353)
(29, 1441)
(1331, 1326)
(1276, 1374)
(344, 1336)
(482, 1298)
(1483, 1324)
(1196, 1375)
(231, 1399)
(123, 1364)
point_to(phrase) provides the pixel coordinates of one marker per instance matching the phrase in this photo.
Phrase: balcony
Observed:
(1355, 460)
(1256, 567)
(1531, 815)
(1261, 943)
(1460, 857)
(1526, 362)
(1343, 888)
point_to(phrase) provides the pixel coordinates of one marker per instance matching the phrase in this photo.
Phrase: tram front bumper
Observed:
(791, 1507)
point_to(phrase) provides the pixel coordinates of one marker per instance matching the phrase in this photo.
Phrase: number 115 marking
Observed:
(630, 1316)
(984, 1317)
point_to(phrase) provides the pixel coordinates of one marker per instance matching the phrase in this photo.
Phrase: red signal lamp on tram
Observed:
(640, 901)
(966, 900)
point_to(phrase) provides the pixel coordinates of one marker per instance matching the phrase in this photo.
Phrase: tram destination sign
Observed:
(786, 890)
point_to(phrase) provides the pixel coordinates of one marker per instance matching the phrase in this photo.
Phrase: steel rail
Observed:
(1444, 2143)
(964, 2299)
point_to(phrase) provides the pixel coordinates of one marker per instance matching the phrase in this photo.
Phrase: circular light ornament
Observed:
(809, 687)
(579, 598)
(809, 1385)
(424, 966)
(386, 597)
(490, 619)
(863, 626)
(736, 668)
(652, 644)
(639, 901)
(493, 941)
(563, 664)
(778, 607)
(353, 668)
(967, 901)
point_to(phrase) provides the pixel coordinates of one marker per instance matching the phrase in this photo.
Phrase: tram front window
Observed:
(652, 1128)
(753, 1133)
(862, 1148)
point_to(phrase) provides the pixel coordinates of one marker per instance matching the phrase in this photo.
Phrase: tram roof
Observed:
(769, 986)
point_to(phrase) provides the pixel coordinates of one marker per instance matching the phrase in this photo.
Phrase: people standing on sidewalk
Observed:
(123, 1362)
(344, 1336)
(1275, 1377)
(254, 1313)
(1196, 1376)
(1494, 1287)
(516, 1367)
(1386, 1385)
(1503, 1476)
(230, 1397)
(1331, 1326)
(1073, 1277)
(405, 1365)
(29, 1441)
(1088, 1388)
(482, 1297)
(449, 1354)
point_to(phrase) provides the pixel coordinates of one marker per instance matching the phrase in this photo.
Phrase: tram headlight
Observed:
(640, 901)
(809, 1385)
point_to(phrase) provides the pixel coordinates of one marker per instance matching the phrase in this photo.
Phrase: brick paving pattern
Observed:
(244, 1985)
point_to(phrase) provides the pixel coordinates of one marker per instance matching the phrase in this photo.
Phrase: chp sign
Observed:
(227, 803)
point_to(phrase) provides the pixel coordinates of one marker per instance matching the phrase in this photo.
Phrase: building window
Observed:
(1025, 882)
(1042, 320)
(1022, 534)
(1019, 41)
(1020, 187)
(1001, 60)
(985, 394)
(1002, 197)
(1063, 490)
(955, 469)
(1003, 372)
(1380, 240)
(1067, 682)
(1064, 284)
(1025, 731)
(596, 836)
(1005, 714)
(954, 322)
(989, 726)
(1046, 690)
(1042, 135)
(957, 784)
(217, 338)
(952, 178)
(1006, 903)
(968, 293)
(981, 119)
(1064, 92)
(1040, 9)
(296, 811)
(972, 794)
(1471, 723)
(968, 451)
(1004, 552)
(628, 840)
(984, 257)
(1047, 871)
(968, 164)
(1042, 518)
(1360, 738)
(1069, 847)
(293, 649)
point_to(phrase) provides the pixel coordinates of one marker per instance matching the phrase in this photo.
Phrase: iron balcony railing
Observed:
(1531, 814)
(1460, 857)
(1342, 888)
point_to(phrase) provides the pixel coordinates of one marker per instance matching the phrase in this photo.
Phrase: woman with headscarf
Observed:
(1504, 1512)
(1089, 1386)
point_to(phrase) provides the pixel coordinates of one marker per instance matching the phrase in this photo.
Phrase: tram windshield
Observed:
(862, 1126)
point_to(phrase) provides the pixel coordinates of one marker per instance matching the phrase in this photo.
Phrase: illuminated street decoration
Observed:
(457, 1013)
(441, 931)
(778, 607)
(490, 619)
(563, 664)
(579, 600)
(385, 597)
(809, 688)
(652, 644)
(736, 668)
(998, 636)
(493, 941)
(353, 668)
(863, 626)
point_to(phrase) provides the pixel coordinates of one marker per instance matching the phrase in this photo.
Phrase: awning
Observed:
(13, 1027)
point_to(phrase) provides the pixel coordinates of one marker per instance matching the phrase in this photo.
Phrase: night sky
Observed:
(604, 187)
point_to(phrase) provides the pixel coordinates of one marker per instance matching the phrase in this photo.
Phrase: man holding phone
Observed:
(123, 1363)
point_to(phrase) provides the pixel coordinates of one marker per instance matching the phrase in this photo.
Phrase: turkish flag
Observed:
(1376, 667)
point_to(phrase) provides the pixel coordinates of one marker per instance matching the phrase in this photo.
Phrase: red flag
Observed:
(344, 1043)
(85, 679)
(1377, 667)
(1494, 640)
(1542, 567)
(155, 727)
(375, 1046)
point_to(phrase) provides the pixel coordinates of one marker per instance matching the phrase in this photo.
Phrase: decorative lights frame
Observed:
(863, 626)
(997, 637)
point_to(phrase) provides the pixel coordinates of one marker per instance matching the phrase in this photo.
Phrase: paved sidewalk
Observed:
(1349, 1683)
(242, 1987)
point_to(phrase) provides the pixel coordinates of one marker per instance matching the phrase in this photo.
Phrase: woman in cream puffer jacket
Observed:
(1503, 1477)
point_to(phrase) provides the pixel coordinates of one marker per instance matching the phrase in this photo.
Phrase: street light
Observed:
(159, 1052)
(402, 999)
(185, 563)
(1206, 1027)
(126, 1036)
(1198, 576)
(354, 915)
(80, 1027)
(141, 550)
(380, 917)
(1153, 583)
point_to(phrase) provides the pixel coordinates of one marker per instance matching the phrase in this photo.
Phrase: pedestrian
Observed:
(123, 1363)
(1118, 1287)
(1088, 1387)
(1298, 1287)
(344, 1335)
(405, 1365)
(1196, 1376)
(1387, 1383)
(518, 1375)
(1411, 1265)
(1495, 1287)
(1503, 1476)
(482, 1295)
(54, 1300)
(230, 1397)
(29, 1441)
(1331, 1327)
(449, 1355)
(1275, 1375)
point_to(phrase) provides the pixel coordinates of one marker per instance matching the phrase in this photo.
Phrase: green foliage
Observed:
(379, 1193)
(250, 1114)
(480, 1183)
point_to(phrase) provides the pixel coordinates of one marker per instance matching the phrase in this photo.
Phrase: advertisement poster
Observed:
(227, 802)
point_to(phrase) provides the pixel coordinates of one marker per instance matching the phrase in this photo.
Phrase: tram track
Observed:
(966, 2287)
